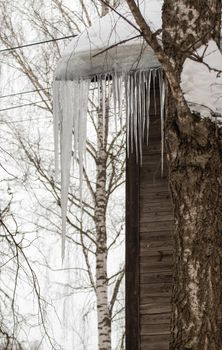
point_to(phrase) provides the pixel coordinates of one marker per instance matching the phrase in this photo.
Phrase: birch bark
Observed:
(195, 164)
(103, 312)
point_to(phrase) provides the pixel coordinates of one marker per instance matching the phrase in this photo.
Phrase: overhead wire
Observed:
(37, 43)
(23, 120)
(30, 91)
(23, 105)
(24, 92)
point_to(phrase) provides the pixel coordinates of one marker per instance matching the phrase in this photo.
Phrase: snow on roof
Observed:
(83, 57)
(201, 80)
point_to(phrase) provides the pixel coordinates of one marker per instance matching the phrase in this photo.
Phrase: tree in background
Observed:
(94, 227)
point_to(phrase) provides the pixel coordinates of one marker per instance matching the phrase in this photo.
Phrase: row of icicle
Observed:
(130, 94)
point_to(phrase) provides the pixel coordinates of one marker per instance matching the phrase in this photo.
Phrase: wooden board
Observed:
(156, 248)
(132, 255)
(149, 247)
(157, 342)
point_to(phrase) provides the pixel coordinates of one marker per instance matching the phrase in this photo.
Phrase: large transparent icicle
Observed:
(162, 105)
(147, 108)
(82, 124)
(70, 118)
(103, 100)
(67, 101)
(56, 121)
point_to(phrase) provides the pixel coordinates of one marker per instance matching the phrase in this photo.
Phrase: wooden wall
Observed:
(149, 223)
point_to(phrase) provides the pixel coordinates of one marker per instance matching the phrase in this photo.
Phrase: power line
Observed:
(24, 105)
(37, 43)
(30, 91)
(23, 93)
(23, 120)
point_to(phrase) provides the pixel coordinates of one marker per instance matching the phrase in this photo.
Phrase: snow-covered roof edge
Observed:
(111, 44)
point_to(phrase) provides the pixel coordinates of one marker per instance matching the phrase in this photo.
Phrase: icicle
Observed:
(108, 95)
(143, 99)
(99, 80)
(70, 112)
(131, 104)
(148, 95)
(115, 97)
(66, 99)
(84, 93)
(109, 90)
(135, 113)
(162, 104)
(76, 113)
(120, 97)
(140, 124)
(144, 112)
(153, 72)
(127, 114)
(104, 105)
(56, 113)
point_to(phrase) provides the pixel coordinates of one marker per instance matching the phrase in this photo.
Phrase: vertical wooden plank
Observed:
(132, 255)
(156, 246)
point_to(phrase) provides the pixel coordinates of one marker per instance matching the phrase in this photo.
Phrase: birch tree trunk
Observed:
(103, 313)
(195, 182)
(195, 162)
